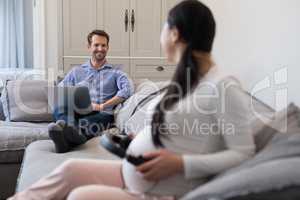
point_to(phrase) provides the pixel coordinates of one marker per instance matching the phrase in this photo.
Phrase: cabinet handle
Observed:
(126, 20)
(132, 20)
(160, 68)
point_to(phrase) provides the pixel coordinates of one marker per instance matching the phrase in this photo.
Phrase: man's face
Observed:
(98, 47)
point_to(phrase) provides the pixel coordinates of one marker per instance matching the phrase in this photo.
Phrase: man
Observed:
(107, 86)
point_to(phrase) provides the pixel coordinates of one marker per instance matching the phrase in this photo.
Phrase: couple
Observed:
(178, 161)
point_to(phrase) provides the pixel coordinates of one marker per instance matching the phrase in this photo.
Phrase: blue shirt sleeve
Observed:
(125, 86)
(69, 79)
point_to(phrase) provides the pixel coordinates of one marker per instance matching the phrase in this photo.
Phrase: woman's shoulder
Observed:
(218, 74)
(214, 89)
(217, 79)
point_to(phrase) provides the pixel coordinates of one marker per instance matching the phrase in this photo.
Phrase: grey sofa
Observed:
(16, 134)
(40, 158)
(14, 137)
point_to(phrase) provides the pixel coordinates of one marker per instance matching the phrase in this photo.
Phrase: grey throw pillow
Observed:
(134, 123)
(2, 116)
(264, 131)
(26, 100)
(4, 102)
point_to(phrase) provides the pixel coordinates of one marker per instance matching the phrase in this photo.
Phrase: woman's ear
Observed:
(174, 35)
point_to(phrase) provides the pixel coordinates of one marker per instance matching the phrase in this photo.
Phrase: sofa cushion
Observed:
(136, 122)
(26, 101)
(273, 168)
(40, 152)
(270, 176)
(15, 136)
(287, 193)
(4, 102)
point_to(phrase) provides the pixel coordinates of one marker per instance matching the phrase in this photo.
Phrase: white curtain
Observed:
(12, 44)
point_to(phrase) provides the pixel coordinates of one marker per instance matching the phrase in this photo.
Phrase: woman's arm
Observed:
(238, 137)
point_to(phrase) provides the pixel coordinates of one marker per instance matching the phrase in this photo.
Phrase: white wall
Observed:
(255, 38)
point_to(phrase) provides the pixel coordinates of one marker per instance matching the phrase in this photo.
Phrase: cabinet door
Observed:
(145, 31)
(111, 16)
(79, 18)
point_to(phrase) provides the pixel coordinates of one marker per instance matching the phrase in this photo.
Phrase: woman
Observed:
(199, 127)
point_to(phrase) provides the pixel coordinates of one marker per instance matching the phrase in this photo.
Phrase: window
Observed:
(16, 39)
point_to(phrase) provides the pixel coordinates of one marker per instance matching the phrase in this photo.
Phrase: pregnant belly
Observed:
(133, 179)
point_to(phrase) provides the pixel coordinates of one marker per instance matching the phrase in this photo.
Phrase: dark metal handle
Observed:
(160, 68)
(126, 20)
(132, 20)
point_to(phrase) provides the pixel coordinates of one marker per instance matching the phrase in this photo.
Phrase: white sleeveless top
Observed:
(209, 128)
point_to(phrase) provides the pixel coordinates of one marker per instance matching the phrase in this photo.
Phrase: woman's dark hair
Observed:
(196, 26)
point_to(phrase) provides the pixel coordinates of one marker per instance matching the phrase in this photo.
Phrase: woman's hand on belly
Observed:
(163, 164)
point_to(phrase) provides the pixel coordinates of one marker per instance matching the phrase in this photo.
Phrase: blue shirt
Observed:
(103, 83)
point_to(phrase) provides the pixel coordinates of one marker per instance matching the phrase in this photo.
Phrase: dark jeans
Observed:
(88, 125)
(94, 123)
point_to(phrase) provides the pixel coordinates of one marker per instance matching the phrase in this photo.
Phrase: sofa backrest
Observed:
(136, 122)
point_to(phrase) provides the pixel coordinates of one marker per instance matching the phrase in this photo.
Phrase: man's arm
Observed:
(111, 102)
(125, 90)
(69, 79)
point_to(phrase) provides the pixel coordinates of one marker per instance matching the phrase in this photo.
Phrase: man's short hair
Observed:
(99, 33)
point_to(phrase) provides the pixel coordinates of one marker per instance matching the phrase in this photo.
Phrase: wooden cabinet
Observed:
(133, 25)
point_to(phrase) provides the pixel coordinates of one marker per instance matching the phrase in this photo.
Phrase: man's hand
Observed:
(131, 135)
(163, 165)
(97, 107)
(111, 102)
